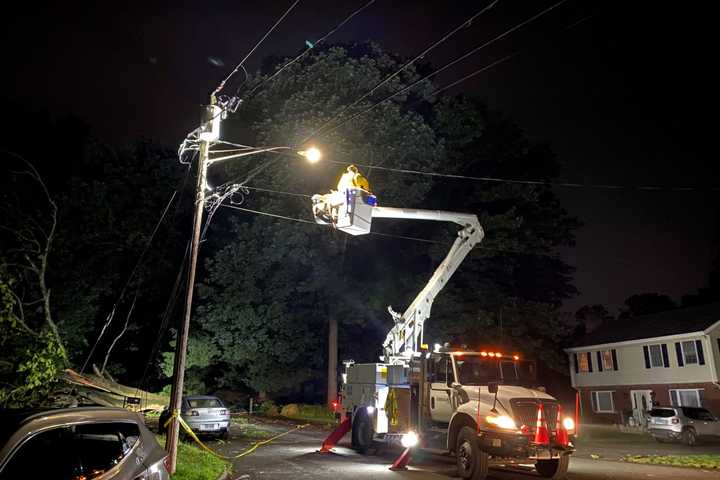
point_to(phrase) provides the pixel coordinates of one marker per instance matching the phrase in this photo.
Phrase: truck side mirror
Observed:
(493, 387)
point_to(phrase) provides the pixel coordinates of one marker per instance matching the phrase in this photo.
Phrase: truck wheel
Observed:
(472, 463)
(362, 433)
(555, 469)
(689, 437)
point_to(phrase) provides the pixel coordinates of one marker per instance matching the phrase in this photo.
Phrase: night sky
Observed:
(622, 90)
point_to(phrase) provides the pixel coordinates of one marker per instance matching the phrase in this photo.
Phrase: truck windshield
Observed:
(476, 370)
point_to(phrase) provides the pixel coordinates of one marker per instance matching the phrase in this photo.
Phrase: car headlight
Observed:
(568, 423)
(409, 440)
(502, 421)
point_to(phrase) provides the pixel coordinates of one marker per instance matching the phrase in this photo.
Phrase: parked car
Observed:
(683, 423)
(205, 414)
(89, 443)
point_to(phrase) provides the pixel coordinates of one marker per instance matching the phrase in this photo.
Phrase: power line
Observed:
(403, 67)
(310, 47)
(380, 234)
(240, 65)
(127, 283)
(678, 188)
(443, 68)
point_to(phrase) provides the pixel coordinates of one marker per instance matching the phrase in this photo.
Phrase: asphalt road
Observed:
(295, 457)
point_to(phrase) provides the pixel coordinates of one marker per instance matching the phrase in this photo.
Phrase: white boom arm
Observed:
(406, 336)
(351, 210)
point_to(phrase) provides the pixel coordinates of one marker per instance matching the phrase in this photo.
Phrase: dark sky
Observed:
(625, 95)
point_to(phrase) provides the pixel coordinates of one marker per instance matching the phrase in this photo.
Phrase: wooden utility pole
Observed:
(173, 430)
(332, 361)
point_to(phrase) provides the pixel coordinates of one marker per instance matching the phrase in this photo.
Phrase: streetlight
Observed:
(208, 133)
(312, 154)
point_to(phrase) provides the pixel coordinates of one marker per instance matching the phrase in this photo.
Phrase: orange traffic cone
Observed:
(542, 437)
(561, 434)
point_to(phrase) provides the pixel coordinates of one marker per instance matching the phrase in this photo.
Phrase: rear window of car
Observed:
(662, 412)
(204, 403)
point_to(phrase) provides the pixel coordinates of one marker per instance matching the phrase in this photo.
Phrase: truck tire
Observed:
(472, 463)
(555, 469)
(362, 432)
(689, 437)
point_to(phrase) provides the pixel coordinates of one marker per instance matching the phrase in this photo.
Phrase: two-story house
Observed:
(669, 358)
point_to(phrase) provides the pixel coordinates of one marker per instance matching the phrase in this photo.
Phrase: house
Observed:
(670, 358)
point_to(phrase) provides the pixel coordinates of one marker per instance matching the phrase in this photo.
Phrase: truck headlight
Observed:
(501, 421)
(409, 440)
(568, 423)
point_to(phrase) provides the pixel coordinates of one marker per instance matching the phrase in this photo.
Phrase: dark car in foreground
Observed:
(82, 443)
(683, 423)
(205, 414)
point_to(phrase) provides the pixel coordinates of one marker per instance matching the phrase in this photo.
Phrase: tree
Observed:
(646, 304)
(272, 284)
(31, 340)
(590, 318)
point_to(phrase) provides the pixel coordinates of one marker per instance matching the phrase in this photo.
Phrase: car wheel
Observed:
(472, 463)
(555, 469)
(362, 432)
(225, 434)
(689, 437)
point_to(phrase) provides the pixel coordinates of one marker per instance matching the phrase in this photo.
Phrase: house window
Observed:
(689, 351)
(656, 356)
(583, 362)
(602, 402)
(686, 397)
(607, 359)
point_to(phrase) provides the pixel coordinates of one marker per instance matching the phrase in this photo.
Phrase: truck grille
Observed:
(525, 412)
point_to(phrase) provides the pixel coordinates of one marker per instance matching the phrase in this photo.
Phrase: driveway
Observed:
(295, 457)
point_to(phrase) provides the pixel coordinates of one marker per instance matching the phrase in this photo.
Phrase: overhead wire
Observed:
(310, 47)
(486, 44)
(434, 45)
(130, 278)
(220, 86)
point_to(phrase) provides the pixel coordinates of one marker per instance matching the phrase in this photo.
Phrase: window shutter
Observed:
(666, 357)
(593, 403)
(700, 354)
(599, 359)
(575, 361)
(678, 351)
(646, 351)
(589, 358)
(614, 357)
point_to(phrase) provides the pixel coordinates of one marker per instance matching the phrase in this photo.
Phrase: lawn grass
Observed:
(709, 461)
(590, 434)
(248, 430)
(194, 463)
(314, 413)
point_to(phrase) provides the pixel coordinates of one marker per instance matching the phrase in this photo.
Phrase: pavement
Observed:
(294, 457)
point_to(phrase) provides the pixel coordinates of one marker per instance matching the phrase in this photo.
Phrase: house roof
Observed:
(672, 322)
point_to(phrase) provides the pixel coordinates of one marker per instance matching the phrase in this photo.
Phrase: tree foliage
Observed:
(272, 284)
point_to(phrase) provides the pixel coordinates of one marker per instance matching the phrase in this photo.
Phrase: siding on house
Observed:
(632, 369)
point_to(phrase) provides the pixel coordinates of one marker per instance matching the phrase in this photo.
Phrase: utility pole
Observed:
(209, 131)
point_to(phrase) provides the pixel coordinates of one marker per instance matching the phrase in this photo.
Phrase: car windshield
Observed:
(477, 370)
(204, 403)
(662, 412)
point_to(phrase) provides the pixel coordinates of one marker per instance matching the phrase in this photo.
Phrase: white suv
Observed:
(682, 423)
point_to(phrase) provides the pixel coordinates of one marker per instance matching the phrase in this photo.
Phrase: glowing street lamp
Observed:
(313, 154)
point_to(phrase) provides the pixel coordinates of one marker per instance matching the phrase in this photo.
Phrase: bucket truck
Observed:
(478, 405)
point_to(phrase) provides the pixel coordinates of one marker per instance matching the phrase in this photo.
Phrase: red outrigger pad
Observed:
(335, 436)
